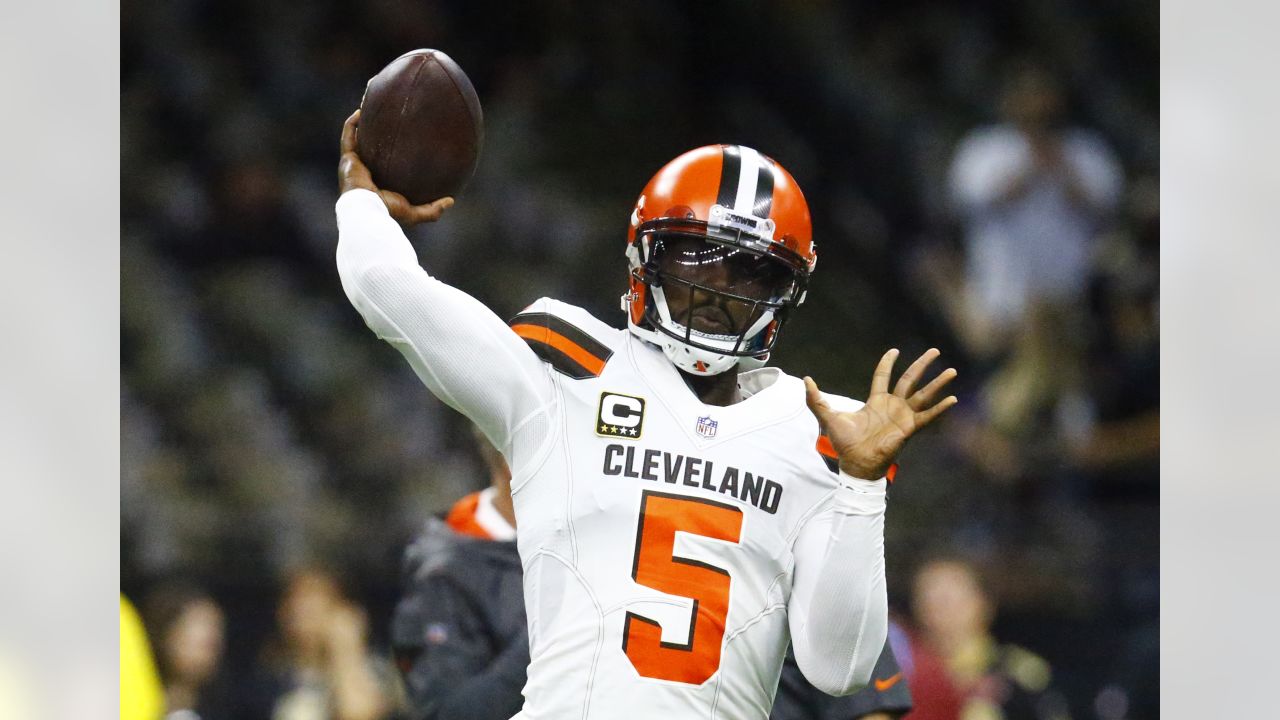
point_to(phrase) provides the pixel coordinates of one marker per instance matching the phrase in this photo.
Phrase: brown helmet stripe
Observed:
(764, 188)
(730, 175)
(746, 181)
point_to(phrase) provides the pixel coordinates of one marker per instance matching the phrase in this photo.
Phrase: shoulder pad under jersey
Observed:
(566, 337)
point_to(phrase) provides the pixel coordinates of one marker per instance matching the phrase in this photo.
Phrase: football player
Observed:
(460, 637)
(683, 512)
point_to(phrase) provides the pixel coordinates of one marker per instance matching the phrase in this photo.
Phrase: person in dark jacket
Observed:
(458, 632)
(461, 641)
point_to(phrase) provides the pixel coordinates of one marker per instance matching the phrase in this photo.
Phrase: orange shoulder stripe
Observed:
(554, 339)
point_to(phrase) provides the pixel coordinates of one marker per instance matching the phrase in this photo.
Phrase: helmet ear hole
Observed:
(638, 297)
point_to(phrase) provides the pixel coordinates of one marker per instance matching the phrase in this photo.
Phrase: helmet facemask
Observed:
(713, 297)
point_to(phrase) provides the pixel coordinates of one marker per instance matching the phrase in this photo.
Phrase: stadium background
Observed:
(264, 428)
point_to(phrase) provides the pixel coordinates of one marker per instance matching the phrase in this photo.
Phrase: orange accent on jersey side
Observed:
(462, 517)
(882, 685)
(550, 337)
(696, 660)
(826, 449)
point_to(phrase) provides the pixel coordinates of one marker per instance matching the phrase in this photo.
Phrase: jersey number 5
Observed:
(656, 566)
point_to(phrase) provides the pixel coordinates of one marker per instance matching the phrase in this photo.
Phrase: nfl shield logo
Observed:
(706, 426)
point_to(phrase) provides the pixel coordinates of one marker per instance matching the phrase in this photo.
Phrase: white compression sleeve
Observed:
(838, 612)
(465, 354)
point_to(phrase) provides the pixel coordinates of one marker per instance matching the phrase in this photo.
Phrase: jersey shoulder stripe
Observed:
(828, 453)
(832, 459)
(563, 344)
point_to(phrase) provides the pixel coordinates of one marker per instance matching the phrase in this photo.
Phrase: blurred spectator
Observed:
(933, 695)
(141, 694)
(996, 681)
(321, 667)
(1124, 361)
(459, 631)
(1033, 403)
(187, 632)
(1033, 193)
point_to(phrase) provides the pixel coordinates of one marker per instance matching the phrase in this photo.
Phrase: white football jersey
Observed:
(671, 549)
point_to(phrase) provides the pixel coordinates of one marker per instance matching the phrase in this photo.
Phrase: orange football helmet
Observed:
(720, 250)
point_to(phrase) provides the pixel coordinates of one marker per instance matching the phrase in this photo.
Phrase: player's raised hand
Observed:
(869, 440)
(353, 174)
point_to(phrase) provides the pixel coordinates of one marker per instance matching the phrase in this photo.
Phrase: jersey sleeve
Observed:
(798, 699)
(839, 609)
(887, 693)
(464, 353)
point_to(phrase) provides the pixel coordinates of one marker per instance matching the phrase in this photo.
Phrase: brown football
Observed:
(421, 126)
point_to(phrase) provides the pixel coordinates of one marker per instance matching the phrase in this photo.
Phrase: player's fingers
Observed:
(348, 144)
(435, 209)
(926, 394)
(813, 398)
(927, 416)
(431, 211)
(913, 373)
(880, 380)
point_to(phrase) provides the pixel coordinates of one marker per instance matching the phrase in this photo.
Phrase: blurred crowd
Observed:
(982, 178)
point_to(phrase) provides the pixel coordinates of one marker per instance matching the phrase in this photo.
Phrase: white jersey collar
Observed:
(771, 395)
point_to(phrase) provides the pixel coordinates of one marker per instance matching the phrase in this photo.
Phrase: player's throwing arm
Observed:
(464, 354)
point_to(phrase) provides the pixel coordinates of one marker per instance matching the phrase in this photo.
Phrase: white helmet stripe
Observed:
(748, 175)
(746, 182)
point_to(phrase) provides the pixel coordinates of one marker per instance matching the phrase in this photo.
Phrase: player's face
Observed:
(718, 288)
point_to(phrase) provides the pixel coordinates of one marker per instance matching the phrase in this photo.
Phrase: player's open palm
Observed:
(869, 440)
